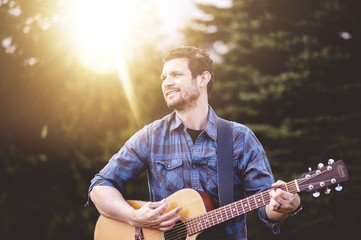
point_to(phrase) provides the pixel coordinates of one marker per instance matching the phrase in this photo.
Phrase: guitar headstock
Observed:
(323, 177)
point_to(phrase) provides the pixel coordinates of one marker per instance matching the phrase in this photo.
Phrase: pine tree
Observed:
(290, 72)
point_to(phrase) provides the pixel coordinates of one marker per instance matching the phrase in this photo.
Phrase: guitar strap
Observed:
(225, 161)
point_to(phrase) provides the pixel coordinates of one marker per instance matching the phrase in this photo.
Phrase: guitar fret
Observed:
(255, 201)
(212, 218)
(219, 216)
(231, 210)
(234, 210)
(222, 214)
(241, 202)
(266, 195)
(262, 199)
(225, 211)
(258, 200)
(196, 224)
(206, 221)
(249, 205)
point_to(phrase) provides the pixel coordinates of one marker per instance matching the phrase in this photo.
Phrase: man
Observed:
(179, 151)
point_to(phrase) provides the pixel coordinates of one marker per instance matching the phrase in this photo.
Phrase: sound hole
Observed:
(178, 232)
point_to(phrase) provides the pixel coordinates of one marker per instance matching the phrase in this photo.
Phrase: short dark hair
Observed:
(199, 61)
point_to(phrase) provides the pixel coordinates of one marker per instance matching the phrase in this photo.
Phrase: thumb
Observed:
(154, 205)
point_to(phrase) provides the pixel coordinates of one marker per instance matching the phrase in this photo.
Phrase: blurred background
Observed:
(78, 78)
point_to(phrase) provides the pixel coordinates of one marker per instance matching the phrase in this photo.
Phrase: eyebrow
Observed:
(172, 73)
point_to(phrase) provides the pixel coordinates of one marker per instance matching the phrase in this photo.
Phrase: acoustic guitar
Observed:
(197, 212)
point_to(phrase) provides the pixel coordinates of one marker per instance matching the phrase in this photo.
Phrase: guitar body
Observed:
(198, 212)
(192, 202)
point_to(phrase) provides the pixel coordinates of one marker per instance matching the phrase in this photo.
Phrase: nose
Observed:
(168, 80)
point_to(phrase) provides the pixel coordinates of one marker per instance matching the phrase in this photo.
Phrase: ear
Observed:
(205, 77)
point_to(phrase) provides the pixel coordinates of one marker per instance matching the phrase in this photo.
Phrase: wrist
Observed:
(297, 210)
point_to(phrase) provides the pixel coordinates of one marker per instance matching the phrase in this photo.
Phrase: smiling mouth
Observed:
(170, 93)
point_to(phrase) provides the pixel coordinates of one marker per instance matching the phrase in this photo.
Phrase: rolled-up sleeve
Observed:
(257, 173)
(125, 165)
(272, 226)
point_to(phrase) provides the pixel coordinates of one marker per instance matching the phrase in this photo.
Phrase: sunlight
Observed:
(100, 32)
(104, 33)
(103, 30)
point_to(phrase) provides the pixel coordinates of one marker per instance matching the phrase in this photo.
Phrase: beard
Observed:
(184, 99)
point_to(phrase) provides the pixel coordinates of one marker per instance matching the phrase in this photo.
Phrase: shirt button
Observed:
(194, 166)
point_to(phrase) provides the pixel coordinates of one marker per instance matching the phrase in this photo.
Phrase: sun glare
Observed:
(103, 31)
(100, 32)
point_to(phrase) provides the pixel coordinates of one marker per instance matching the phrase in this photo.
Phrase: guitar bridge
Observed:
(138, 235)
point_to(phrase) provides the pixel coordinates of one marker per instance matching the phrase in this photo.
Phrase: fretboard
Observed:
(222, 214)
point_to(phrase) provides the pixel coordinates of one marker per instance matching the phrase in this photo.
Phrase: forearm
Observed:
(111, 203)
(273, 215)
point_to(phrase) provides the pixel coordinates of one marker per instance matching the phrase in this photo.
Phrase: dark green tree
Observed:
(60, 122)
(289, 70)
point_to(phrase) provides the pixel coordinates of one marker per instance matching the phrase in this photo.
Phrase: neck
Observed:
(195, 118)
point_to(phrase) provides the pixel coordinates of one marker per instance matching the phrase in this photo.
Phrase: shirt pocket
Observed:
(170, 173)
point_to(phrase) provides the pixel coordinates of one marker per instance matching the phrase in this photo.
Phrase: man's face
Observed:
(180, 90)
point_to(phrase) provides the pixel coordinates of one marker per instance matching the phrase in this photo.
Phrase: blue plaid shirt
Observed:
(174, 162)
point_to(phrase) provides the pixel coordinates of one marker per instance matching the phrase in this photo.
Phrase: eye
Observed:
(176, 75)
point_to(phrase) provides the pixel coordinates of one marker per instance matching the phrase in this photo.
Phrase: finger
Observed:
(168, 224)
(284, 196)
(160, 209)
(276, 194)
(274, 203)
(282, 201)
(278, 184)
(171, 214)
(278, 207)
(153, 205)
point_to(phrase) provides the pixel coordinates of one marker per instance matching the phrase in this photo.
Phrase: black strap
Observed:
(225, 161)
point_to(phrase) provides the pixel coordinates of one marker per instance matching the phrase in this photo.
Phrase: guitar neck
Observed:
(222, 214)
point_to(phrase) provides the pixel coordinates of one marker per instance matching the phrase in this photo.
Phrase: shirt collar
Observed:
(176, 122)
(211, 127)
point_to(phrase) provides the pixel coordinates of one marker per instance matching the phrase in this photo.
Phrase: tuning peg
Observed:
(327, 191)
(330, 161)
(320, 165)
(316, 194)
(338, 188)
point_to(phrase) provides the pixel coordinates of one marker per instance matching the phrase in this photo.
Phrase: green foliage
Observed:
(43, 197)
(60, 123)
(290, 73)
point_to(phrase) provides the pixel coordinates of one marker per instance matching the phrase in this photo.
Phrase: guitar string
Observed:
(290, 187)
(230, 211)
(171, 236)
(216, 216)
(305, 179)
(179, 230)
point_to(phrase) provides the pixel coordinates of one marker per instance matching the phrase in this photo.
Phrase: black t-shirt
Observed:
(194, 134)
